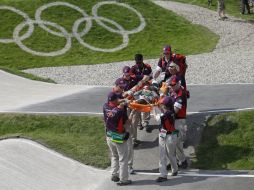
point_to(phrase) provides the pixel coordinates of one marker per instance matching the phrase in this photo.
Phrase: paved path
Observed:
(27, 165)
(17, 92)
(71, 175)
(203, 98)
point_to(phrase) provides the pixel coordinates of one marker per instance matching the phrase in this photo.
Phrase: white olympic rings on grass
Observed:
(46, 6)
(27, 19)
(62, 31)
(136, 30)
(18, 40)
(80, 40)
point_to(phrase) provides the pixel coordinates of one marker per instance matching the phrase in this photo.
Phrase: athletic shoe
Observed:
(145, 124)
(169, 167)
(149, 129)
(136, 143)
(131, 171)
(140, 127)
(161, 179)
(122, 183)
(174, 174)
(184, 165)
(115, 178)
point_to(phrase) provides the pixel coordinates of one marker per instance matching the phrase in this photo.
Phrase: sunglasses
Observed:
(172, 85)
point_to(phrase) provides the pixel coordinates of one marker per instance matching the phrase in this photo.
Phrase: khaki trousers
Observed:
(167, 148)
(119, 159)
(180, 124)
(135, 117)
(128, 127)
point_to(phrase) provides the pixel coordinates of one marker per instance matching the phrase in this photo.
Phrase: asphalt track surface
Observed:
(205, 100)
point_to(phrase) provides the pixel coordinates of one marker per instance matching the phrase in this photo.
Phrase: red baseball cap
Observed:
(126, 70)
(120, 82)
(112, 96)
(167, 49)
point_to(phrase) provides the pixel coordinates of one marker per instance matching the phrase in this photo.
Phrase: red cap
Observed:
(167, 49)
(126, 70)
(120, 82)
(112, 96)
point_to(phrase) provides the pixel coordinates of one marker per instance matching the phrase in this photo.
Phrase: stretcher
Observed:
(141, 107)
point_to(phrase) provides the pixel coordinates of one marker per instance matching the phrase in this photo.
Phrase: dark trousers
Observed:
(245, 3)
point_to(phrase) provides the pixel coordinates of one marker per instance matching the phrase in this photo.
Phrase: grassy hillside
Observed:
(79, 137)
(162, 27)
(227, 142)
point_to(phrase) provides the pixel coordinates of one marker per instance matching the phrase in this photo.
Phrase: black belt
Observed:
(169, 132)
(180, 117)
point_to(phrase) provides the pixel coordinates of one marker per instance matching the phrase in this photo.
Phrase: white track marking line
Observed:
(220, 111)
(190, 174)
(219, 84)
(52, 113)
(100, 113)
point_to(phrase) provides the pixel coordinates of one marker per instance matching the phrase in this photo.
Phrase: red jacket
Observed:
(180, 102)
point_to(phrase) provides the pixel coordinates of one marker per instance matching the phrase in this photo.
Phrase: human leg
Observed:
(179, 125)
(114, 157)
(171, 149)
(122, 150)
(163, 157)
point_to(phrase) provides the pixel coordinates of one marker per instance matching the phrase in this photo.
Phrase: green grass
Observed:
(232, 7)
(163, 27)
(227, 142)
(78, 137)
(25, 75)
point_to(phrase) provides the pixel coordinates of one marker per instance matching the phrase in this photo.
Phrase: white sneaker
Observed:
(130, 170)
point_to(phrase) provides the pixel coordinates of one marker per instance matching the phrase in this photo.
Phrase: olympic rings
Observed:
(25, 16)
(53, 53)
(62, 31)
(136, 30)
(46, 6)
(78, 37)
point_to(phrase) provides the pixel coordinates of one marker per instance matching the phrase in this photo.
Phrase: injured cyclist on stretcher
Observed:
(146, 96)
